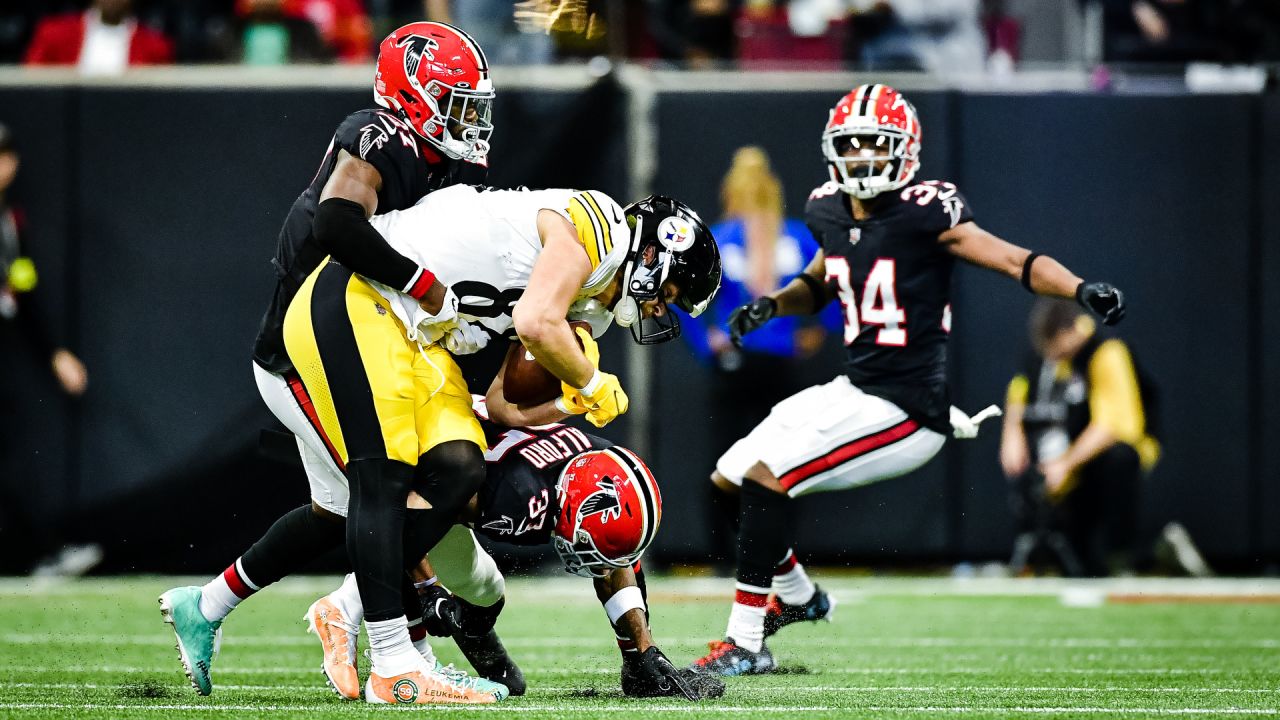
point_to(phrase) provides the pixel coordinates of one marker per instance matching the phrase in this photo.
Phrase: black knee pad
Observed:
(478, 620)
(450, 473)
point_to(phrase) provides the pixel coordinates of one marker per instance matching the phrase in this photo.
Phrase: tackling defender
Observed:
(375, 386)
(888, 248)
(599, 506)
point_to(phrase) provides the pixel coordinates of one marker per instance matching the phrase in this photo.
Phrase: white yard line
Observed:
(320, 687)
(649, 709)
(593, 642)
(554, 589)
(282, 670)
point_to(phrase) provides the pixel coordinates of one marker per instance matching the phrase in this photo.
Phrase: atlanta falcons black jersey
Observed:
(893, 279)
(410, 168)
(518, 501)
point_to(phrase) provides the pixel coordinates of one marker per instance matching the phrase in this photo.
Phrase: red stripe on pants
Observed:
(309, 409)
(847, 452)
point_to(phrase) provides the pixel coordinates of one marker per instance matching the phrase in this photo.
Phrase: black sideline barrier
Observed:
(153, 231)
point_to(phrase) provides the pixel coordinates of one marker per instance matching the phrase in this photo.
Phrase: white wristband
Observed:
(626, 599)
(423, 584)
(593, 384)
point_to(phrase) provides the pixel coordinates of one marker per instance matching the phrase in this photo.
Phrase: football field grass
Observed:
(899, 648)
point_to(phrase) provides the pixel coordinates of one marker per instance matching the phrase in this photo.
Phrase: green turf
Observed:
(900, 649)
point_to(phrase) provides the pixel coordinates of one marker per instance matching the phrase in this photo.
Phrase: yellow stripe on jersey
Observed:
(593, 230)
(607, 245)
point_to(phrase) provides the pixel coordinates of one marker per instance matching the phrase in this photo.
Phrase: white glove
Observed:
(448, 311)
(965, 427)
(427, 328)
(465, 338)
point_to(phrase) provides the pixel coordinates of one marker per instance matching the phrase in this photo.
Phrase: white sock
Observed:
(347, 598)
(793, 586)
(423, 647)
(217, 599)
(392, 651)
(746, 627)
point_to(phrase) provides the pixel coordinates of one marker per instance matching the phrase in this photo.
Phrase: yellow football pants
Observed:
(371, 392)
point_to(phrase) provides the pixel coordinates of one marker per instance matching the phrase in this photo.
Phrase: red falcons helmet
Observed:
(609, 511)
(872, 141)
(437, 77)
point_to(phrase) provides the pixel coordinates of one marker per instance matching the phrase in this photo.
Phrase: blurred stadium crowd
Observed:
(929, 35)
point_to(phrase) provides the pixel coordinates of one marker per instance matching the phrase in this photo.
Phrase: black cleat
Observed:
(490, 660)
(778, 614)
(726, 659)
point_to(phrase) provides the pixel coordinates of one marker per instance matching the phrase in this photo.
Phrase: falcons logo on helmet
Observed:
(416, 48)
(603, 502)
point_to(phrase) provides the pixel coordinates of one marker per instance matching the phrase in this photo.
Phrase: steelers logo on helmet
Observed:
(675, 233)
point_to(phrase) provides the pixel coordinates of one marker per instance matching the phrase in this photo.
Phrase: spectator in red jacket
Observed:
(103, 40)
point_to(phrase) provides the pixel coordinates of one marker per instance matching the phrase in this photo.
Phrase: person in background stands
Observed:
(104, 40)
(24, 534)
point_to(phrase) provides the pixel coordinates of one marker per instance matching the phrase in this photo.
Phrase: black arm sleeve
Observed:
(343, 231)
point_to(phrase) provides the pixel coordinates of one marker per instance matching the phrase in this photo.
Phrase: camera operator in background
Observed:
(1079, 416)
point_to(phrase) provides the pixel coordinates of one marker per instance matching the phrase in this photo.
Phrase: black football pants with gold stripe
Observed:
(394, 417)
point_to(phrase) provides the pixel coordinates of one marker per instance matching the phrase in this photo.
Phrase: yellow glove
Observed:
(602, 400)
(571, 402)
(589, 346)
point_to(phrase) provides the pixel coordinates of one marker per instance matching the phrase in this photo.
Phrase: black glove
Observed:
(651, 674)
(746, 318)
(1102, 299)
(441, 615)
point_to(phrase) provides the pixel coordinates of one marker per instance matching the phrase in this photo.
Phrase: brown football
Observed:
(525, 382)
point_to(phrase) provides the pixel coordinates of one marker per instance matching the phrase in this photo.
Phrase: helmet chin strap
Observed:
(626, 312)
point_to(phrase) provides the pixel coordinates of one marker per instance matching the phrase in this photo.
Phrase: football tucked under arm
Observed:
(525, 381)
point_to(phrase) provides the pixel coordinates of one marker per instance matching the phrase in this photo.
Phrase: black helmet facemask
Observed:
(669, 243)
(643, 274)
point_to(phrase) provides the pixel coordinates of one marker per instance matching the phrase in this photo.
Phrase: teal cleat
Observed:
(459, 677)
(198, 639)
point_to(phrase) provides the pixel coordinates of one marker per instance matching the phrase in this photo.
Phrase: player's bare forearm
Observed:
(539, 315)
(632, 624)
(423, 570)
(796, 298)
(1050, 277)
(972, 244)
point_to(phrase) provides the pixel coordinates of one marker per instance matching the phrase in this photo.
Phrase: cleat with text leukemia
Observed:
(428, 686)
(778, 614)
(338, 638)
(728, 660)
(198, 638)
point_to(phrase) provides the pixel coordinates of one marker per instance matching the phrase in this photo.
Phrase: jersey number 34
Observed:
(879, 302)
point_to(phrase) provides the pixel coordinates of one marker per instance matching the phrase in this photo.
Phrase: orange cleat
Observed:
(338, 638)
(425, 686)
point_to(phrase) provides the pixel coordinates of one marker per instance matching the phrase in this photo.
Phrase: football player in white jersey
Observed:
(520, 263)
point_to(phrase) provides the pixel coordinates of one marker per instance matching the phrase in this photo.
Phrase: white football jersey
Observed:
(483, 244)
